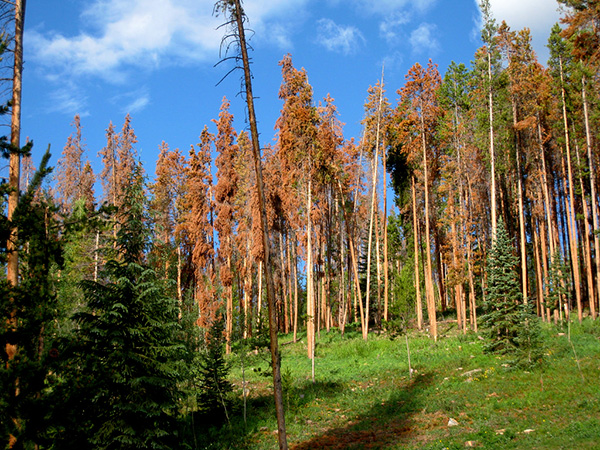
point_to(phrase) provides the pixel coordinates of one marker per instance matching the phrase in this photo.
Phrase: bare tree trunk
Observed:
(522, 237)
(228, 311)
(571, 206)
(538, 269)
(594, 206)
(96, 250)
(379, 267)
(310, 290)
(492, 152)
(14, 169)
(260, 292)
(358, 298)
(284, 289)
(370, 239)
(428, 274)
(416, 245)
(386, 281)
(295, 297)
(586, 243)
(275, 358)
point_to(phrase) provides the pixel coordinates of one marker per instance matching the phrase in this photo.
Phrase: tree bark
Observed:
(416, 245)
(571, 205)
(12, 264)
(275, 360)
(492, 152)
(594, 205)
(429, 273)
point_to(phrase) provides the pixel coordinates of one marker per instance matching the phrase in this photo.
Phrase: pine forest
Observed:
(139, 308)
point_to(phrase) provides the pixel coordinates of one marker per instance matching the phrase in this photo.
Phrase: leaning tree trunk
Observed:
(275, 361)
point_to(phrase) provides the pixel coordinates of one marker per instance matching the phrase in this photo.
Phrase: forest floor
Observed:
(456, 397)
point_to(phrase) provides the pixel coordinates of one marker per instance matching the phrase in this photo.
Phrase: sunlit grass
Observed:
(364, 396)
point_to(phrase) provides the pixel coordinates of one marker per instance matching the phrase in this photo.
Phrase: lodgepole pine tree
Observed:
(297, 150)
(225, 192)
(198, 206)
(488, 37)
(419, 112)
(71, 172)
(236, 16)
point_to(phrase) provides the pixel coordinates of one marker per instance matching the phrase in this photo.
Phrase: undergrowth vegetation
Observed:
(365, 397)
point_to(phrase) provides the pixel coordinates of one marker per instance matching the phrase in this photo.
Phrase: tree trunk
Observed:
(14, 169)
(594, 206)
(370, 239)
(416, 245)
(429, 273)
(571, 205)
(586, 243)
(522, 237)
(275, 359)
(492, 153)
(386, 282)
(310, 290)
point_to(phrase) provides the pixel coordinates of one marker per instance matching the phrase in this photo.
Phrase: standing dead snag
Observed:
(233, 10)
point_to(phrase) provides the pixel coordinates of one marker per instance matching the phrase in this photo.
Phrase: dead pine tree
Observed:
(232, 9)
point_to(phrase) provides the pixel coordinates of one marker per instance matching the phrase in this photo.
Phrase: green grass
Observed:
(363, 397)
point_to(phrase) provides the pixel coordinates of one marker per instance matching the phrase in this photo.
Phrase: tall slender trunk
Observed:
(310, 291)
(386, 281)
(493, 207)
(14, 165)
(522, 237)
(586, 243)
(228, 310)
(371, 217)
(472, 305)
(594, 205)
(370, 238)
(571, 204)
(544, 248)
(284, 290)
(275, 358)
(358, 297)
(295, 268)
(538, 269)
(416, 245)
(260, 292)
(14, 173)
(379, 268)
(428, 273)
(96, 251)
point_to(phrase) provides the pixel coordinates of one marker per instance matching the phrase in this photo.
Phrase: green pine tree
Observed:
(122, 369)
(214, 387)
(31, 307)
(512, 326)
(503, 294)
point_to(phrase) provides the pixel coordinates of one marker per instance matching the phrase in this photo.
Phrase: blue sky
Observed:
(155, 60)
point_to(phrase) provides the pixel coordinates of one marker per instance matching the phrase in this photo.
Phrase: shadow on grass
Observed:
(260, 410)
(385, 423)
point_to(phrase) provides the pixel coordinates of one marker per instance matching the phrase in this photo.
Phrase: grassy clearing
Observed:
(363, 397)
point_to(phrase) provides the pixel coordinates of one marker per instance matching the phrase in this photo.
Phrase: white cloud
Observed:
(148, 34)
(388, 29)
(334, 37)
(537, 15)
(423, 40)
(387, 7)
(131, 102)
(137, 104)
(68, 100)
